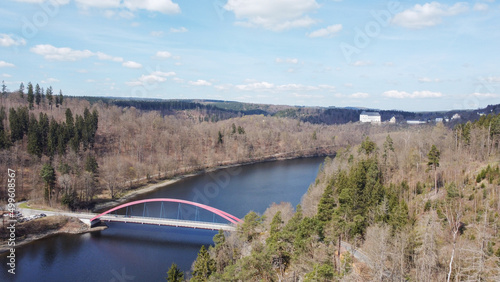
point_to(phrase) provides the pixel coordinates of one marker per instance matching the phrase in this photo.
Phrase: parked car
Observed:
(43, 215)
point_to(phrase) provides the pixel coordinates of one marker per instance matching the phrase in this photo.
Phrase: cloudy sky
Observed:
(408, 55)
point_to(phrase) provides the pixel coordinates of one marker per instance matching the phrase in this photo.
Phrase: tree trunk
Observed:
(435, 179)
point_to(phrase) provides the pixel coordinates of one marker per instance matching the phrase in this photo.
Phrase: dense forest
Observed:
(417, 205)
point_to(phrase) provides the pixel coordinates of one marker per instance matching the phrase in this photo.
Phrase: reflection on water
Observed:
(145, 252)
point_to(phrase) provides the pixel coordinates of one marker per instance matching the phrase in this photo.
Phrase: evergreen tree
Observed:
(174, 274)
(52, 138)
(60, 97)
(48, 175)
(367, 146)
(21, 90)
(220, 138)
(433, 163)
(4, 141)
(4, 88)
(16, 130)
(388, 147)
(43, 127)
(91, 165)
(18, 121)
(38, 95)
(34, 137)
(203, 266)
(50, 98)
(69, 119)
(31, 96)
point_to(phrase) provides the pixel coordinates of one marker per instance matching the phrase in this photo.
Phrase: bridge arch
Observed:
(223, 214)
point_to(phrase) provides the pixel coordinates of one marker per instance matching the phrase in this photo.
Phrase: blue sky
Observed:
(403, 55)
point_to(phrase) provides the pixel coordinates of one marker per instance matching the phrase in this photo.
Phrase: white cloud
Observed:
(415, 94)
(256, 86)
(163, 54)
(98, 3)
(274, 15)
(157, 33)
(259, 86)
(287, 60)
(361, 63)
(7, 41)
(486, 95)
(52, 53)
(492, 79)
(102, 56)
(426, 79)
(427, 15)
(163, 6)
(132, 65)
(60, 2)
(178, 30)
(326, 32)
(6, 75)
(50, 80)
(359, 95)
(152, 78)
(4, 64)
(200, 82)
(480, 7)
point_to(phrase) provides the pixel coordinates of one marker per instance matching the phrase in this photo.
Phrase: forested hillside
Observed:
(71, 153)
(419, 205)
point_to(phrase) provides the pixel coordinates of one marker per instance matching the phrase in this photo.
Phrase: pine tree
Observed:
(49, 96)
(4, 142)
(43, 127)
(21, 90)
(52, 138)
(38, 95)
(34, 137)
(203, 266)
(4, 88)
(60, 97)
(48, 175)
(92, 166)
(174, 274)
(31, 96)
(433, 163)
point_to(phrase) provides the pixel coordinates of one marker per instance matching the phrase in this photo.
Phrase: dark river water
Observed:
(132, 252)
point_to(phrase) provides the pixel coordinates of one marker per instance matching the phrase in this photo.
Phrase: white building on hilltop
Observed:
(372, 117)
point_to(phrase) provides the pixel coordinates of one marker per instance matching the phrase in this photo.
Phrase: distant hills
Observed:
(214, 110)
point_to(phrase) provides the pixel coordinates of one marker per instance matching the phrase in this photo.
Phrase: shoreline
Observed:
(4, 248)
(164, 183)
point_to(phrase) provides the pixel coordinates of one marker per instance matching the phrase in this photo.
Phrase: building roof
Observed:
(370, 114)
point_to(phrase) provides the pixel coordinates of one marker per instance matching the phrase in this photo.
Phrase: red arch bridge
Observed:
(229, 225)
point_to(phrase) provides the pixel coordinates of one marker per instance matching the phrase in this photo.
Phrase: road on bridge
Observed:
(135, 219)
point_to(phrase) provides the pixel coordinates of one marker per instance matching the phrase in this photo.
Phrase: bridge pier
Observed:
(95, 222)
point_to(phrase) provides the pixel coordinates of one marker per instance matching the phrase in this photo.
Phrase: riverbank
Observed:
(152, 187)
(31, 231)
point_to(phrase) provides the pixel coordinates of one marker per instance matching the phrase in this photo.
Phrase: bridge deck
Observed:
(168, 222)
